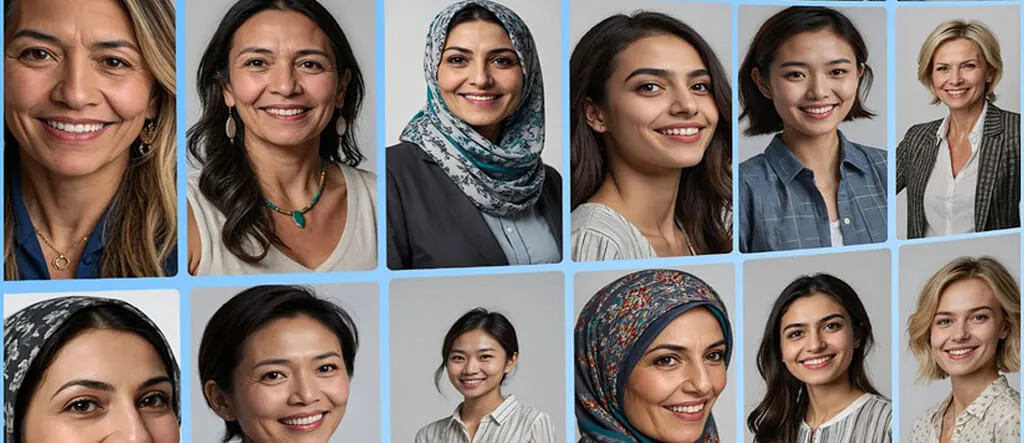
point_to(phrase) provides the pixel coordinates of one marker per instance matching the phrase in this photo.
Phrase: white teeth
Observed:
(959, 352)
(73, 128)
(691, 409)
(956, 92)
(480, 98)
(303, 421)
(286, 112)
(817, 361)
(472, 382)
(819, 109)
(681, 131)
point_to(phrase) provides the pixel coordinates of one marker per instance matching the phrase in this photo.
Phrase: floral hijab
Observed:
(614, 330)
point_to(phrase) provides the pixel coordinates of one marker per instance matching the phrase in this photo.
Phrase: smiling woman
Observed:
(89, 129)
(88, 370)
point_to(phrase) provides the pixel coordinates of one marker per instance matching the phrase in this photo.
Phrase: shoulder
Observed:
(433, 431)
(366, 177)
(921, 130)
(597, 220)
(551, 174)
(403, 154)
(874, 158)
(755, 168)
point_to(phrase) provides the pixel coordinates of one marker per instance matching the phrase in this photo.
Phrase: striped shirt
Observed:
(867, 420)
(510, 422)
(781, 208)
(993, 417)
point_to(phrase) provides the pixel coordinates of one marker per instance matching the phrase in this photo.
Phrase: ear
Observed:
(860, 69)
(511, 363)
(762, 83)
(594, 115)
(229, 95)
(1005, 333)
(154, 106)
(343, 87)
(219, 401)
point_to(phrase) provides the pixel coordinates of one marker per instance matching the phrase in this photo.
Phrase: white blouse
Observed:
(948, 200)
(510, 422)
(993, 417)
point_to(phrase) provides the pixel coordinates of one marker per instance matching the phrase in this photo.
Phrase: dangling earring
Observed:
(229, 127)
(147, 137)
(341, 126)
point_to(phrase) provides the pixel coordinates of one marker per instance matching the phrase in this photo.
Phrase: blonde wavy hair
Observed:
(996, 276)
(974, 31)
(141, 229)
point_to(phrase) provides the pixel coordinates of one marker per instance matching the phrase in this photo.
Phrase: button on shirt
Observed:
(781, 207)
(948, 200)
(510, 422)
(993, 417)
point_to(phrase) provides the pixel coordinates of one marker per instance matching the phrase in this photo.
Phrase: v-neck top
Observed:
(356, 249)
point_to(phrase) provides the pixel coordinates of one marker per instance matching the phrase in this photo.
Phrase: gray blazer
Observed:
(997, 203)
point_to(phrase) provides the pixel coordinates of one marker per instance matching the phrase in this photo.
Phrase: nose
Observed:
(697, 380)
(962, 333)
(817, 87)
(957, 75)
(305, 390)
(77, 87)
(284, 81)
(480, 74)
(684, 102)
(470, 367)
(127, 426)
(815, 341)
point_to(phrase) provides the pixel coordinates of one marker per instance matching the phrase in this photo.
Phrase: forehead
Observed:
(812, 308)
(658, 51)
(280, 30)
(106, 355)
(473, 340)
(89, 20)
(967, 294)
(958, 48)
(296, 336)
(478, 34)
(695, 326)
(823, 45)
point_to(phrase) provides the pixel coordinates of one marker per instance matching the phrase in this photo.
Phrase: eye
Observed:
(715, 356)
(839, 72)
(648, 88)
(793, 335)
(833, 326)
(486, 357)
(82, 406)
(327, 368)
(701, 87)
(793, 75)
(980, 317)
(154, 401)
(941, 68)
(115, 63)
(272, 376)
(255, 63)
(943, 321)
(505, 61)
(456, 358)
(666, 361)
(311, 65)
(35, 54)
(457, 60)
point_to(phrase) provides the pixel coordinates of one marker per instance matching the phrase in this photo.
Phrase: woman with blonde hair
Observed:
(961, 172)
(967, 327)
(90, 139)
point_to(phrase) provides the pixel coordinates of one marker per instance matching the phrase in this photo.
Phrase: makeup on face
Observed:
(967, 328)
(959, 74)
(476, 365)
(817, 340)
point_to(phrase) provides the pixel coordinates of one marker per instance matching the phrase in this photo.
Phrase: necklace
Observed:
(60, 261)
(299, 216)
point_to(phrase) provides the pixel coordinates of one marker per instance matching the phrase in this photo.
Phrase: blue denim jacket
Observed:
(780, 208)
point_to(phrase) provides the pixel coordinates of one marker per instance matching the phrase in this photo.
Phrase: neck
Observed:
(826, 401)
(646, 198)
(474, 409)
(288, 176)
(961, 121)
(967, 388)
(66, 208)
(820, 153)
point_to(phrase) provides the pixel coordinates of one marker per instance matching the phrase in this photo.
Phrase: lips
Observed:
(304, 422)
(286, 112)
(471, 383)
(690, 411)
(958, 92)
(818, 362)
(481, 99)
(819, 111)
(73, 130)
(686, 132)
(960, 353)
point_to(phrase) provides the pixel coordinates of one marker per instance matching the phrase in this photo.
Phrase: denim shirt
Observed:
(781, 208)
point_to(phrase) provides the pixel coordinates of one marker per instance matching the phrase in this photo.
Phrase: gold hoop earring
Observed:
(147, 137)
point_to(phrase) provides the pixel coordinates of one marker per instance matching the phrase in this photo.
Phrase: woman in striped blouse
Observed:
(478, 352)
(812, 357)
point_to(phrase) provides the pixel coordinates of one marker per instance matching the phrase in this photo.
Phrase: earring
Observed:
(229, 127)
(147, 137)
(341, 126)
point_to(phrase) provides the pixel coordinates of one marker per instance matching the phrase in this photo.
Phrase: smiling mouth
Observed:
(689, 411)
(75, 128)
(955, 93)
(960, 354)
(472, 382)
(481, 99)
(818, 362)
(307, 423)
(680, 132)
(821, 111)
(287, 113)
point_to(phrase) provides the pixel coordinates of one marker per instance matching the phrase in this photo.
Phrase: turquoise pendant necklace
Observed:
(299, 216)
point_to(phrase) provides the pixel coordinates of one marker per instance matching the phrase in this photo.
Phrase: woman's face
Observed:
(291, 385)
(476, 363)
(103, 386)
(817, 340)
(967, 328)
(77, 87)
(812, 82)
(284, 80)
(660, 112)
(959, 74)
(480, 76)
(671, 390)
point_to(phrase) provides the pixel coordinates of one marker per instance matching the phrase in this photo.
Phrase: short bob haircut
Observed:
(227, 178)
(996, 276)
(973, 31)
(109, 316)
(493, 323)
(254, 309)
(760, 110)
(705, 190)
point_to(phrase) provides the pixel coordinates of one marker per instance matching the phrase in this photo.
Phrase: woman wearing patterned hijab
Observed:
(652, 350)
(85, 370)
(466, 185)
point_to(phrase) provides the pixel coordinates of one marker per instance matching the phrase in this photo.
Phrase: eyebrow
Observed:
(664, 73)
(110, 44)
(283, 361)
(265, 51)
(969, 311)
(460, 351)
(823, 320)
(85, 383)
(467, 51)
(680, 348)
(838, 61)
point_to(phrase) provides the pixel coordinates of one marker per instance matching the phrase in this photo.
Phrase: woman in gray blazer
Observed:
(961, 172)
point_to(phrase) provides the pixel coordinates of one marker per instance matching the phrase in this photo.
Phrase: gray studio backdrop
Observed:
(871, 23)
(912, 99)
(917, 264)
(722, 279)
(362, 415)
(406, 23)
(357, 18)
(868, 272)
(422, 311)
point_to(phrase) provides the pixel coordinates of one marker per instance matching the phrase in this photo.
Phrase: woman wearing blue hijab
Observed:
(466, 186)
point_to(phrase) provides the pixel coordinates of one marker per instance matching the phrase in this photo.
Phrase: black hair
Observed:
(471, 13)
(494, 324)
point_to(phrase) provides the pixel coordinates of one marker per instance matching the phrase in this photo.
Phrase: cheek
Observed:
(163, 429)
(323, 88)
(337, 389)
(650, 387)
(790, 350)
(448, 79)
(510, 80)
(259, 401)
(246, 87)
(719, 378)
(710, 111)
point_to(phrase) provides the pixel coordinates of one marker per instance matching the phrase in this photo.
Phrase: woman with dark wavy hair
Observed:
(651, 141)
(812, 358)
(277, 188)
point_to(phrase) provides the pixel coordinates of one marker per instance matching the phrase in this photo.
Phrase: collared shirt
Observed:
(993, 417)
(510, 422)
(525, 238)
(867, 419)
(948, 200)
(33, 264)
(781, 207)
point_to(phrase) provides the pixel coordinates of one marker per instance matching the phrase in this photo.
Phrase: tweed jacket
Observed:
(997, 200)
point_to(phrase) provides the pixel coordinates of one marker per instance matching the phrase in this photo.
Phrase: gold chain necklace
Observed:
(60, 261)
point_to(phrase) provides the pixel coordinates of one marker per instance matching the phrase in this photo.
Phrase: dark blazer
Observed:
(997, 200)
(431, 222)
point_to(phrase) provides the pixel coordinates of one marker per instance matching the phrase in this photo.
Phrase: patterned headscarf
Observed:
(29, 329)
(501, 179)
(612, 333)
